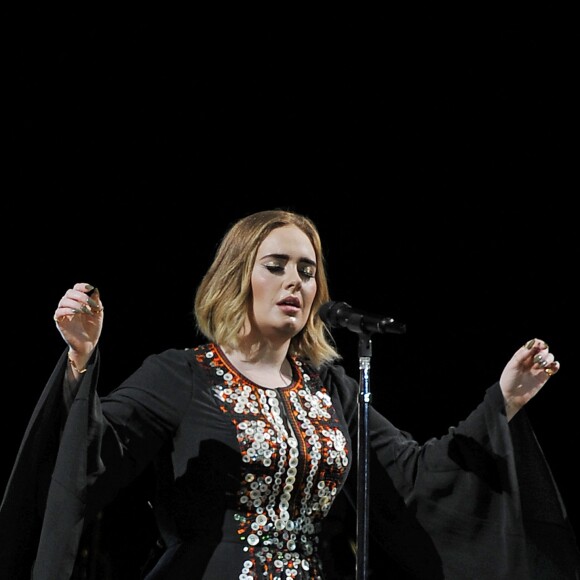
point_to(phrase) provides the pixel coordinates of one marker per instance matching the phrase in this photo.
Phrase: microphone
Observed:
(335, 314)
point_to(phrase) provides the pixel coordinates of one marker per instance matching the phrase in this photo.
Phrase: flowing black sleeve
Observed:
(478, 502)
(24, 501)
(74, 461)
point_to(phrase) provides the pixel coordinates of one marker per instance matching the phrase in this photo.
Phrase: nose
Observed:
(294, 280)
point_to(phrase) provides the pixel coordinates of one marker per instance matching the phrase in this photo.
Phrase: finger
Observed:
(89, 296)
(83, 298)
(526, 352)
(535, 343)
(68, 306)
(552, 368)
(543, 360)
(60, 316)
(94, 300)
(84, 287)
(541, 357)
(530, 349)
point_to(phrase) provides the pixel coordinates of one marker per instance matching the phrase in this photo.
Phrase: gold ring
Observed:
(550, 372)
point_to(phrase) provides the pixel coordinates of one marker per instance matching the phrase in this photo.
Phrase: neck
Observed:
(262, 364)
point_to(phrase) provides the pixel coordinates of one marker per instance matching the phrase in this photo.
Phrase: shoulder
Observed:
(180, 365)
(172, 361)
(335, 375)
(163, 385)
(334, 372)
(176, 360)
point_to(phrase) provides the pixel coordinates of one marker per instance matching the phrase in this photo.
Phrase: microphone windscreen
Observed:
(330, 312)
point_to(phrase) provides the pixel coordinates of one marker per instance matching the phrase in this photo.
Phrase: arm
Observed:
(76, 455)
(482, 488)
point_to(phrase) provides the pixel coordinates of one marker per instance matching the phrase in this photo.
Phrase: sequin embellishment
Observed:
(295, 459)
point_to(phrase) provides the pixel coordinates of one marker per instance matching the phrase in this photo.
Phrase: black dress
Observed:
(244, 477)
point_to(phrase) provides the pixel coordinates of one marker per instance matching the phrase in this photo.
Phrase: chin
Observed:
(291, 327)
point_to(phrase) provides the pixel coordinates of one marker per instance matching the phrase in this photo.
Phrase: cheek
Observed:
(261, 285)
(310, 294)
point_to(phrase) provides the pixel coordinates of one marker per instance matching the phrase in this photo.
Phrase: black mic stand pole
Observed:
(362, 512)
(341, 314)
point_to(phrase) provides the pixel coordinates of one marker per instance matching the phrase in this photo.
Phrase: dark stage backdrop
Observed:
(432, 150)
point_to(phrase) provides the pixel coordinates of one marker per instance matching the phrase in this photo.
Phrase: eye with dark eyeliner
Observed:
(274, 268)
(305, 272)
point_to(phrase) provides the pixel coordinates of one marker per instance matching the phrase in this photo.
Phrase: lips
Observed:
(290, 305)
(290, 301)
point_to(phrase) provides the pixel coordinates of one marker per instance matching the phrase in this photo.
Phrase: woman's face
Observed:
(283, 283)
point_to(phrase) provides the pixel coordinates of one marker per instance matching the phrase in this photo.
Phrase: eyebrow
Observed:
(287, 257)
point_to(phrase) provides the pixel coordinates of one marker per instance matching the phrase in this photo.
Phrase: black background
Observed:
(433, 150)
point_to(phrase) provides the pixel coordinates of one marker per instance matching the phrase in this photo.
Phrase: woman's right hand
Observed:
(79, 319)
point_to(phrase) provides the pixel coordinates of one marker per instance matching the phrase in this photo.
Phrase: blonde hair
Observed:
(223, 298)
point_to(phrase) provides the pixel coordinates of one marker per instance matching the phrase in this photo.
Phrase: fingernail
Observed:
(545, 346)
(89, 287)
(530, 343)
(92, 303)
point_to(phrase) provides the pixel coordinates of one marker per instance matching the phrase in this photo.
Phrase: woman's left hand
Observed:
(526, 373)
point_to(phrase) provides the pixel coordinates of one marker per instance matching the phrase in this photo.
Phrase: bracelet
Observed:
(74, 366)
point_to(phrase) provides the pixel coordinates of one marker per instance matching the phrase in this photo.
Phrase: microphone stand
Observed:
(364, 403)
(362, 512)
(342, 314)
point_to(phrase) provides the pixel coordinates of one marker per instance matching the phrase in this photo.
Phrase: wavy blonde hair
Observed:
(224, 296)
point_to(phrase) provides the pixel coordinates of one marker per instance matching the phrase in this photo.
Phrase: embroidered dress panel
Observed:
(295, 460)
